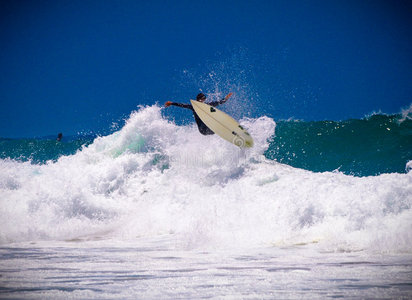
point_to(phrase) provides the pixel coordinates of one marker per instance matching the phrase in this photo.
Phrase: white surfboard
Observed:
(222, 124)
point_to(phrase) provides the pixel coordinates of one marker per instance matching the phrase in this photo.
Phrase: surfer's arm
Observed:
(188, 106)
(216, 103)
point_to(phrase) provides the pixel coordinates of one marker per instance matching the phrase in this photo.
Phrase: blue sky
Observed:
(77, 66)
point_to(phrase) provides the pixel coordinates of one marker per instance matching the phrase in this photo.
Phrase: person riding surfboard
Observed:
(201, 98)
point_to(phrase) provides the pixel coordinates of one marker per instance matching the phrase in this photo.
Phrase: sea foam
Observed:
(153, 178)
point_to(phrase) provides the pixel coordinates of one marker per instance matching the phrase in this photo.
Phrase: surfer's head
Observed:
(201, 97)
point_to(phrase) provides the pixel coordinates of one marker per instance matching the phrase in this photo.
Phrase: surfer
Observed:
(201, 98)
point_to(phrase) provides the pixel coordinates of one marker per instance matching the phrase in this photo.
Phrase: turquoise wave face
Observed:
(371, 146)
(41, 150)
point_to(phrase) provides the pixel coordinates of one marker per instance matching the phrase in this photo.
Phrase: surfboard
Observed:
(223, 125)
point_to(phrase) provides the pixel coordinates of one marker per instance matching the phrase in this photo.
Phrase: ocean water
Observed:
(156, 210)
(42, 150)
(371, 146)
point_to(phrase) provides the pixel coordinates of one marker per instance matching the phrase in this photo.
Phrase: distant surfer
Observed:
(59, 137)
(201, 98)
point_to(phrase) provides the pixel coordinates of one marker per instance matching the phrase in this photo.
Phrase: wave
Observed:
(374, 145)
(41, 150)
(153, 178)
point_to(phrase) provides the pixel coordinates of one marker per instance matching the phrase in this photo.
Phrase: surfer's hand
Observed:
(168, 103)
(228, 96)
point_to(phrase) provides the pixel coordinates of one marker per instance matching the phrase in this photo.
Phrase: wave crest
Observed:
(154, 178)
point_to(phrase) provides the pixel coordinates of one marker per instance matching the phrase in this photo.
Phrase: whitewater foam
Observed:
(153, 178)
(406, 114)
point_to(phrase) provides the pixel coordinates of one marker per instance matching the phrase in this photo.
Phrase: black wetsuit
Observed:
(202, 126)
